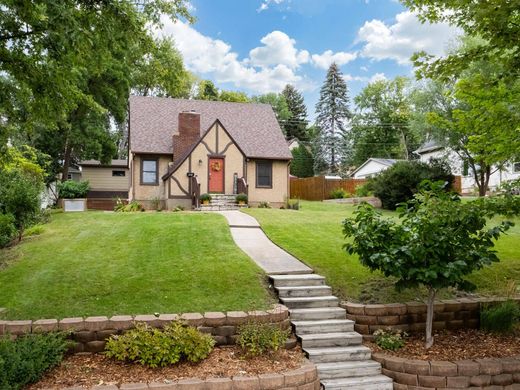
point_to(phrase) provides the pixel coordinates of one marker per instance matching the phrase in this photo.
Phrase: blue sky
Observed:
(258, 46)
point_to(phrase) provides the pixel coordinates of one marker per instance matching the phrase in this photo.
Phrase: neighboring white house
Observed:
(432, 150)
(372, 167)
(293, 143)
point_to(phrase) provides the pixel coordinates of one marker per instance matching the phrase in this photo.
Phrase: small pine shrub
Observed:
(257, 339)
(500, 318)
(71, 189)
(339, 193)
(7, 229)
(160, 347)
(389, 339)
(25, 360)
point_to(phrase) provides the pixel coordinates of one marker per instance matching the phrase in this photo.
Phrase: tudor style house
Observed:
(180, 149)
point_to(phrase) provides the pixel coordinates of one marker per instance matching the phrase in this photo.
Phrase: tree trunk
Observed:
(67, 156)
(429, 317)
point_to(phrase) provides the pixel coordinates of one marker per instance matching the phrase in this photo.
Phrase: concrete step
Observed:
(320, 313)
(297, 280)
(303, 291)
(337, 339)
(348, 369)
(323, 326)
(309, 302)
(338, 354)
(372, 382)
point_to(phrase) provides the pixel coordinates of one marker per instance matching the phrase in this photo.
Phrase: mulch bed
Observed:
(457, 345)
(90, 370)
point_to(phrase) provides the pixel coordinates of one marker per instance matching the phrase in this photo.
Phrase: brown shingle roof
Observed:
(253, 126)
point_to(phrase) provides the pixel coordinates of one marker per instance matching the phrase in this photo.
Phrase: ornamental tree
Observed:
(437, 242)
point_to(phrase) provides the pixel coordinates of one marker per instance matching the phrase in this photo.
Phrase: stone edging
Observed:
(91, 333)
(500, 373)
(304, 378)
(411, 316)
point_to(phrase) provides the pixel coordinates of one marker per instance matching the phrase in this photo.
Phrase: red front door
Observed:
(216, 175)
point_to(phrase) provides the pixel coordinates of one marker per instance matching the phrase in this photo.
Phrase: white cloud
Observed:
(214, 58)
(364, 69)
(266, 3)
(348, 77)
(325, 59)
(378, 77)
(403, 38)
(278, 49)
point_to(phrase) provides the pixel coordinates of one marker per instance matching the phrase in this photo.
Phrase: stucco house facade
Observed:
(180, 149)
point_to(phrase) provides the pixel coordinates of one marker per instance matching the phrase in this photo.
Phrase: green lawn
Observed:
(98, 263)
(314, 235)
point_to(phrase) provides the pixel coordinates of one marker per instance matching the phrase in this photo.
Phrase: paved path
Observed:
(252, 240)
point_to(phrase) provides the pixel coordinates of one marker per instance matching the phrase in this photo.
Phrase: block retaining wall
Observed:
(491, 374)
(91, 333)
(304, 378)
(411, 316)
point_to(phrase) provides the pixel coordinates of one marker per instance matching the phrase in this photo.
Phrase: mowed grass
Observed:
(97, 263)
(314, 235)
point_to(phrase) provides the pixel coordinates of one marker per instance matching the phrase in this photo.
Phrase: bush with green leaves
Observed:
(155, 347)
(257, 338)
(293, 204)
(264, 205)
(71, 189)
(122, 207)
(7, 229)
(401, 181)
(390, 339)
(25, 360)
(241, 198)
(20, 197)
(339, 193)
(437, 242)
(205, 198)
(500, 318)
(363, 191)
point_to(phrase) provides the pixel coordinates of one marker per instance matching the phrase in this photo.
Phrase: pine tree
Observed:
(302, 164)
(296, 125)
(333, 115)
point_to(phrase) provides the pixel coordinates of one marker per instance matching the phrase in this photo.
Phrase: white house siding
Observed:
(468, 182)
(371, 169)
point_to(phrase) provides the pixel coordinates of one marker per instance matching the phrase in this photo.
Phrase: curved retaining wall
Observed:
(411, 316)
(91, 333)
(492, 374)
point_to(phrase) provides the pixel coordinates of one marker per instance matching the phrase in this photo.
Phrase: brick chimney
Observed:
(189, 133)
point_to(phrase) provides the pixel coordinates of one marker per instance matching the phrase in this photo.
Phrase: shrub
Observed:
(205, 197)
(264, 205)
(7, 229)
(71, 189)
(20, 197)
(256, 339)
(158, 348)
(121, 207)
(156, 203)
(339, 193)
(34, 230)
(293, 204)
(24, 360)
(500, 318)
(364, 190)
(390, 339)
(401, 181)
(178, 208)
(241, 198)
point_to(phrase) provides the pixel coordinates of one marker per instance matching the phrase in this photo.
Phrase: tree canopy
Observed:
(295, 125)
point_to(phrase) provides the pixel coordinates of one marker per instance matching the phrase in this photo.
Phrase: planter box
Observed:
(71, 205)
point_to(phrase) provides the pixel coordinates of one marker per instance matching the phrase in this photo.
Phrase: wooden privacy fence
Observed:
(319, 188)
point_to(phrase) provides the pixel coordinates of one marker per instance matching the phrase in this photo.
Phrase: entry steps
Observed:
(221, 202)
(327, 337)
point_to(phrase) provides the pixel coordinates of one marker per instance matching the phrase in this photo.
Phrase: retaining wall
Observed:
(91, 333)
(492, 374)
(411, 316)
(304, 378)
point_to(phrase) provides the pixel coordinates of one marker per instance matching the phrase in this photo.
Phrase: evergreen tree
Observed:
(333, 115)
(302, 164)
(295, 126)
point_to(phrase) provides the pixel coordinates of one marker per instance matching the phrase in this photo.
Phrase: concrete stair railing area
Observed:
(327, 337)
(221, 202)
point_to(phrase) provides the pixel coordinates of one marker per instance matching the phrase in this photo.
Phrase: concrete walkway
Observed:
(251, 239)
